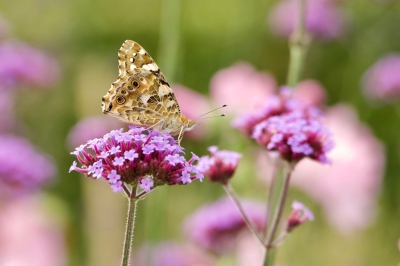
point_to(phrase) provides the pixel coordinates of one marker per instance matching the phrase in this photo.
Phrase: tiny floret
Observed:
(299, 215)
(146, 184)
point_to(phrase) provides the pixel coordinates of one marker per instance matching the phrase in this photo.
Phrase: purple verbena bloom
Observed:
(382, 80)
(22, 169)
(299, 215)
(294, 136)
(215, 227)
(132, 156)
(220, 166)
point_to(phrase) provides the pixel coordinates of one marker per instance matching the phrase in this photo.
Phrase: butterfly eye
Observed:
(121, 100)
(135, 84)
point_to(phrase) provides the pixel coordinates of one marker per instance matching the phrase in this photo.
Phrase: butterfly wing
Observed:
(141, 95)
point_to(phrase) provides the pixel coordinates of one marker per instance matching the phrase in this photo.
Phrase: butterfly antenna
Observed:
(210, 116)
(211, 112)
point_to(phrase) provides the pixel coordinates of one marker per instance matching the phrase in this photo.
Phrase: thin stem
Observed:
(271, 194)
(276, 219)
(298, 44)
(235, 199)
(130, 226)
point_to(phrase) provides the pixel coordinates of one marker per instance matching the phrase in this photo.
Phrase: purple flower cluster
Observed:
(221, 166)
(21, 63)
(289, 126)
(216, 226)
(382, 80)
(294, 137)
(137, 157)
(22, 168)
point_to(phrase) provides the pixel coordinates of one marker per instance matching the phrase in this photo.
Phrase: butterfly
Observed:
(142, 96)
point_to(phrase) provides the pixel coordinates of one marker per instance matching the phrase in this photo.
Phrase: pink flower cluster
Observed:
(138, 156)
(221, 166)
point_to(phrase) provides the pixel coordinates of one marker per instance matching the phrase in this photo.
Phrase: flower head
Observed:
(382, 80)
(221, 166)
(22, 168)
(299, 215)
(274, 105)
(133, 158)
(216, 226)
(294, 136)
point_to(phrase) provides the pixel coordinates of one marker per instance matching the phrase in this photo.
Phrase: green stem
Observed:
(298, 45)
(130, 226)
(249, 224)
(275, 222)
(169, 37)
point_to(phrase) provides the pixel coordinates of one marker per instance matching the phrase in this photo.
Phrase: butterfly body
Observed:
(142, 96)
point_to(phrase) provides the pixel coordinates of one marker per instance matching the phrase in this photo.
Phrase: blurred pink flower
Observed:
(28, 236)
(323, 19)
(193, 104)
(348, 188)
(242, 88)
(22, 64)
(92, 127)
(310, 92)
(382, 80)
(172, 254)
(216, 226)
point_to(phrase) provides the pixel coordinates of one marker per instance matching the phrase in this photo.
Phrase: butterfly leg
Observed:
(180, 136)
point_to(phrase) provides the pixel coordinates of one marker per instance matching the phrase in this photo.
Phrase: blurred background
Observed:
(58, 58)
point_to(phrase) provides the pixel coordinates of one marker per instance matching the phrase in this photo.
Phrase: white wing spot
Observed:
(142, 51)
(132, 67)
(161, 92)
(145, 98)
(134, 54)
(170, 103)
(131, 59)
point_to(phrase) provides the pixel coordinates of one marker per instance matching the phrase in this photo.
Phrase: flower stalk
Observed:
(249, 223)
(130, 226)
(298, 44)
(275, 221)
